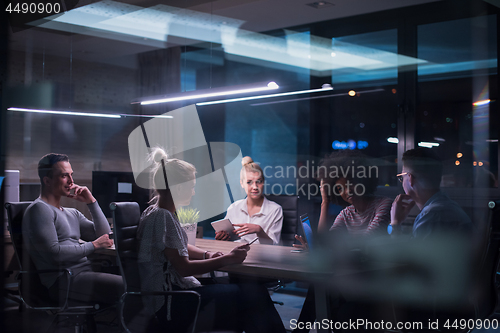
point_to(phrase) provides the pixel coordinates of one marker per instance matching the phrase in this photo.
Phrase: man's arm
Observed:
(39, 226)
(90, 230)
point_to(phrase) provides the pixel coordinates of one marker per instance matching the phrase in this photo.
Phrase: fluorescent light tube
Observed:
(145, 116)
(483, 102)
(428, 144)
(210, 93)
(325, 87)
(69, 113)
(393, 140)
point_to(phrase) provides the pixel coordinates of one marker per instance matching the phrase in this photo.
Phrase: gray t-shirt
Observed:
(52, 236)
(158, 230)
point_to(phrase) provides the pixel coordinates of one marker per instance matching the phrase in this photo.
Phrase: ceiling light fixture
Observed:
(428, 144)
(484, 102)
(68, 113)
(315, 97)
(197, 94)
(145, 116)
(320, 4)
(325, 87)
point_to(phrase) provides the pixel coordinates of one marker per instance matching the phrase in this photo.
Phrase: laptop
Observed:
(304, 229)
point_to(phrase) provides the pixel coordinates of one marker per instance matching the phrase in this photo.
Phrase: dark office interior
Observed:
(403, 74)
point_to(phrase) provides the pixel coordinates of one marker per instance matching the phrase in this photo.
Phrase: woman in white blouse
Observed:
(167, 262)
(254, 216)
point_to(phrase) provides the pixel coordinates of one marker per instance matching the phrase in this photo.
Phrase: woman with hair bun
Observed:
(167, 262)
(255, 216)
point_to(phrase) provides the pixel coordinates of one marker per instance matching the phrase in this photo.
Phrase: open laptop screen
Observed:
(304, 228)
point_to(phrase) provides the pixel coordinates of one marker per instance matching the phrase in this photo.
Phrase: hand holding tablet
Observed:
(227, 227)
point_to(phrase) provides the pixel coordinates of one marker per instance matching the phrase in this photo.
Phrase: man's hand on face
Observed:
(81, 193)
(401, 208)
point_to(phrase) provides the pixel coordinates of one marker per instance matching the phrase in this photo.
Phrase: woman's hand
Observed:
(324, 193)
(211, 255)
(248, 228)
(222, 235)
(238, 254)
(303, 244)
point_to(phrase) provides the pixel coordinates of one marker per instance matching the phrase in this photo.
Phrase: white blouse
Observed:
(270, 218)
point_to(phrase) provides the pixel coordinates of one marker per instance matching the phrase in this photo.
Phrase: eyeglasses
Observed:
(400, 176)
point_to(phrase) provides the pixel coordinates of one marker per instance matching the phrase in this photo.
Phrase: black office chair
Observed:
(487, 298)
(133, 315)
(33, 293)
(290, 206)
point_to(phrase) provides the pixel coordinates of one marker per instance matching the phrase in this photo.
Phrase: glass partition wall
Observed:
(378, 80)
(393, 79)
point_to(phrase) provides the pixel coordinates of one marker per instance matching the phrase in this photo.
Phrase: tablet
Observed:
(227, 226)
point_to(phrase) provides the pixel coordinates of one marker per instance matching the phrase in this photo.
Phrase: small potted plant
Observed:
(188, 217)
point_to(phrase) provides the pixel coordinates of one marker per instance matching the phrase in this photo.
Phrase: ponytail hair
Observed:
(166, 172)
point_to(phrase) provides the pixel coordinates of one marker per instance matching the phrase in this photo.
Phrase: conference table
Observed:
(279, 262)
(270, 261)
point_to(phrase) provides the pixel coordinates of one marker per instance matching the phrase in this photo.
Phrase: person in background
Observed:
(439, 215)
(167, 263)
(52, 235)
(441, 227)
(366, 214)
(255, 216)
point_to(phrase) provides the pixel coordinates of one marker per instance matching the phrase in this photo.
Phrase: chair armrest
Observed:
(38, 271)
(159, 293)
(68, 273)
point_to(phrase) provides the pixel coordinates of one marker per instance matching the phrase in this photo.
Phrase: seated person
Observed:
(167, 263)
(255, 216)
(421, 178)
(440, 220)
(365, 215)
(52, 235)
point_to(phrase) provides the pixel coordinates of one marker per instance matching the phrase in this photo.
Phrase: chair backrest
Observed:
(31, 289)
(15, 213)
(126, 217)
(290, 206)
(134, 316)
(487, 298)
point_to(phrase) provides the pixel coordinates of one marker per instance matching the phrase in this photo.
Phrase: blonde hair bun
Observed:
(246, 160)
(159, 154)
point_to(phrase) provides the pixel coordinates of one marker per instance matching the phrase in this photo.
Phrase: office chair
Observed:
(290, 206)
(33, 293)
(133, 315)
(487, 297)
